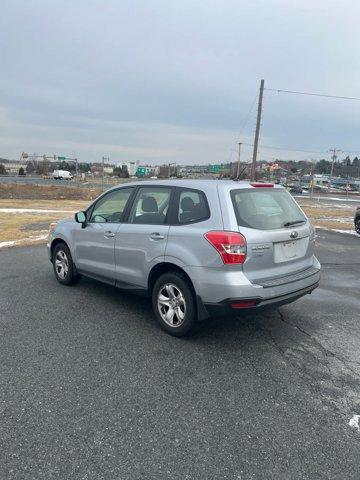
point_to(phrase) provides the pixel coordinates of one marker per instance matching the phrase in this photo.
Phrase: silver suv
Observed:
(195, 247)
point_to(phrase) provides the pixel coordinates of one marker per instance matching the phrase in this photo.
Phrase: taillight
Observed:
(230, 245)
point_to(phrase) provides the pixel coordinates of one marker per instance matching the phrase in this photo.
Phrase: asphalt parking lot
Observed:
(91, 388)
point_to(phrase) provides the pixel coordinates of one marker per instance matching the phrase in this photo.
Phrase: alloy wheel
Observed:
(61, 264)
(171, 304)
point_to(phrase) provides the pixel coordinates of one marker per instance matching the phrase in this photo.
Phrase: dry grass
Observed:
(61, 205)
(25, 228)
(338, 217)
(47, 192)
(334, 225)
(323, 212)
(32, 227)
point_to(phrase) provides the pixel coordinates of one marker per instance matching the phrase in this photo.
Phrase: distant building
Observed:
(108, 170)
(315, 180)
(12, 167)
(131, 167)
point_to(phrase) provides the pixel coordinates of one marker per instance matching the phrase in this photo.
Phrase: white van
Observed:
(62, 174)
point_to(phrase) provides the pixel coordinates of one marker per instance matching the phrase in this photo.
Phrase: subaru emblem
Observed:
(294, 234)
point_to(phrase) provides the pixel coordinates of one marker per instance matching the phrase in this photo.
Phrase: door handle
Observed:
(157, 236)
(109, 234)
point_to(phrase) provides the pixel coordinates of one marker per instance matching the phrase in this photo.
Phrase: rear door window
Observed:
(192, 207)
(266, 208)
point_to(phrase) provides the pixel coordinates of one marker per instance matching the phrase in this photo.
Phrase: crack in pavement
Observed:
(325, 350)
(336, 384)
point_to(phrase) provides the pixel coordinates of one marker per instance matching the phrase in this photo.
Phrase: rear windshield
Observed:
(266, 208)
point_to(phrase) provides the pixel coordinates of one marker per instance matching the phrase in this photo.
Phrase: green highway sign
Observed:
(141, 171)
(214, 168)
(61, 158)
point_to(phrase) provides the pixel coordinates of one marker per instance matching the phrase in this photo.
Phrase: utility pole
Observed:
(102, 174)
(334, 152)
(77, 171)
(238, 165)
(257, 131)
(312, 181)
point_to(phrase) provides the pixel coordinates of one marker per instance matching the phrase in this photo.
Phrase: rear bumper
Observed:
(218, 289)
(225, 307)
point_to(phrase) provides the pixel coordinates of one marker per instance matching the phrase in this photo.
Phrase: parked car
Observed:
(297, 189)
(357, 220)
(196, 247)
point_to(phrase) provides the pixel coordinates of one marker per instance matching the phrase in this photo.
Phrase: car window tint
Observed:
(192, 207)
(110, 207)
(150, 206)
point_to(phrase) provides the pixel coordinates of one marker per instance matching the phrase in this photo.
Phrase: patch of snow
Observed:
(349, 232)
(337, 219)
(32, 210)
(335, 199)
(331, 206)
(32, 238)
(354, 422)
(7, 244)
(342, 199)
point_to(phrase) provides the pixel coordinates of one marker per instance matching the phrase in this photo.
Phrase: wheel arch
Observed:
(55, 242)
(165, 267)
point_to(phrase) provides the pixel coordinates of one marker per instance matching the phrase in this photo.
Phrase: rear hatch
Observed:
(279, 236)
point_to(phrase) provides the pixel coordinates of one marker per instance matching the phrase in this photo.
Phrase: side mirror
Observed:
(80, 217)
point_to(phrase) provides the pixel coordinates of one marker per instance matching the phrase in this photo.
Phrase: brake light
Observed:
(262, 185)
(230, 245)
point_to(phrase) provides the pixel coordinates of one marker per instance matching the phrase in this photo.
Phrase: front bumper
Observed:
(48, 248)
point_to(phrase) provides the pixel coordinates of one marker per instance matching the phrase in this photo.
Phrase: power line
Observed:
(298, 149)
(312, 94)
(248, 115)
(286, 148)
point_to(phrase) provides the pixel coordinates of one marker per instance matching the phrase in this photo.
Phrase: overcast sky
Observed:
(173, 80)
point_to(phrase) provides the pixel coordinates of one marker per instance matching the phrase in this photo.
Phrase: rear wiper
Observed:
(294, 222)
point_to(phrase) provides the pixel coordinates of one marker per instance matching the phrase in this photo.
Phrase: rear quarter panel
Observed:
(186, 243)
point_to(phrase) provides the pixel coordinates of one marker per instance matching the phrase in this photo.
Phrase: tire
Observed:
(64, 268)
(357, 225)
(172, 293)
